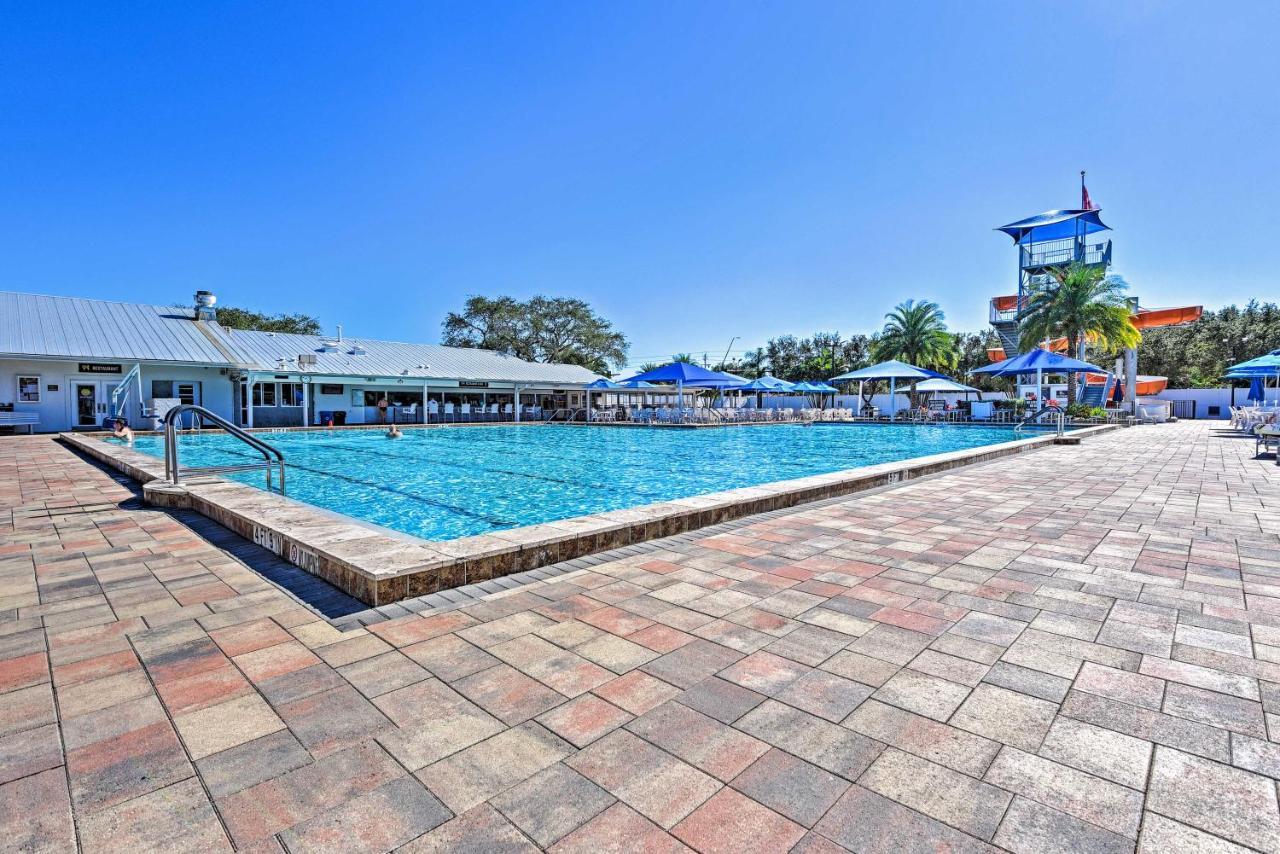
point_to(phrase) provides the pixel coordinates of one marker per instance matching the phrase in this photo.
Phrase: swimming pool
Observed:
(445, 483)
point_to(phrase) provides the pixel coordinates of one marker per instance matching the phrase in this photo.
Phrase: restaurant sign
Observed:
(472, 384)
(98, 368)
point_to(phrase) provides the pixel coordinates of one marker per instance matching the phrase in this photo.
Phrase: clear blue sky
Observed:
(697, 171)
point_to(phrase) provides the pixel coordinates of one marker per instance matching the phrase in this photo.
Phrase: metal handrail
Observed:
(172, 470)
(1058, 413)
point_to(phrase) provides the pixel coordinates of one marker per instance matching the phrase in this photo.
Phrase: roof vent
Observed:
(205, 300)
(357, 350)
(328, 346)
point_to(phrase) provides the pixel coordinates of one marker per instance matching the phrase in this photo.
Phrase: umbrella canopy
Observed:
(603, 383)
(768, 383)
(1256, 390)
(823, 388)
(1268, 363)
(890, 370)
(943, 384)
(1039, 360)
(805, 387)
(685, 374)
(636, 384)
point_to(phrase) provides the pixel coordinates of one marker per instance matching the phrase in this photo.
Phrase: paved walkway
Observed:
(1075, 649)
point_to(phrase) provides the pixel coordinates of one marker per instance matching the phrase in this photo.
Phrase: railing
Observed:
(1052, 253)
(1060, 419)
(173, 471)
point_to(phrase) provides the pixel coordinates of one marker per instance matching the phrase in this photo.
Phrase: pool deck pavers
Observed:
(1072, 649)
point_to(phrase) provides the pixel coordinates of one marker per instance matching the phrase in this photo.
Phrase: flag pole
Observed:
(1082, 190)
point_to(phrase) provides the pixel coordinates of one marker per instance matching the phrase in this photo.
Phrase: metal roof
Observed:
(74, 328)
(69, 327)
(367, 357)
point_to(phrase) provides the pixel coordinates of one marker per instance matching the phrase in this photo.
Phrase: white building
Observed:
(74, 362)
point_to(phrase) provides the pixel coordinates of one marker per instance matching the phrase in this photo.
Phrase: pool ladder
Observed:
(1060, 420)
(173, 472)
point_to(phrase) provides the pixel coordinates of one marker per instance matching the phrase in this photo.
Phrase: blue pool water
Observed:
(442, 484)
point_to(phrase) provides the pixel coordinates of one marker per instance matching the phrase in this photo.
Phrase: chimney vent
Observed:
(205, 301)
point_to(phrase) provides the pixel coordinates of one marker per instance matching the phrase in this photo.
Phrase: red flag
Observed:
(1086, 203)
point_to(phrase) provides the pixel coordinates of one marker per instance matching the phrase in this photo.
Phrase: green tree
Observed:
(1081, 303)
(230, 317)
(916, 333)
(543, 329)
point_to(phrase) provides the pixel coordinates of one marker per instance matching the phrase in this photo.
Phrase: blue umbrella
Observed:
(684, 374)
(601, 383)
(768, 383)
(1256, 390)
(1039, 361)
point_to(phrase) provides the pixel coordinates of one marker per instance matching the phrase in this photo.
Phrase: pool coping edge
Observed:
(380, 566)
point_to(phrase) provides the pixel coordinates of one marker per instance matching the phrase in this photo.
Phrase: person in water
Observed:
(393, 432)
(123, 431)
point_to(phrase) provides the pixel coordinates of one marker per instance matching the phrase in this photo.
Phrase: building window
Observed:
(290, 394)
(264, 394)
(162, 388)
(28, 389)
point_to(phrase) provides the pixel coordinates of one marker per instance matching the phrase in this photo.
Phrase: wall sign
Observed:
(99, 368)
(330, 388)
(472, 384)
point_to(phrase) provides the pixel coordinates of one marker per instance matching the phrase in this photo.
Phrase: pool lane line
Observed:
(490, 520)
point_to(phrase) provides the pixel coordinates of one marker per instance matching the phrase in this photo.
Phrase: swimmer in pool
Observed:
(393, 432)
(123, 431)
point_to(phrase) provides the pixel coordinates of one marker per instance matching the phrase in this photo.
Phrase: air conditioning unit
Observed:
(306, 359)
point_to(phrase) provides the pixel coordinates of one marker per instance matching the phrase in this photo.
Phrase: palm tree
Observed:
(1080, 303)
(916, 333)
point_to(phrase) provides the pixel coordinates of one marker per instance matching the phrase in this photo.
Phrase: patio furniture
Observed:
(20, 419)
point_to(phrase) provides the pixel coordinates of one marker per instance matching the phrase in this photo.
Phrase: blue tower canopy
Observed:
(1055, 225)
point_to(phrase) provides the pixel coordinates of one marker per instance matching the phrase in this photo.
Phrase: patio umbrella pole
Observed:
(893, 390)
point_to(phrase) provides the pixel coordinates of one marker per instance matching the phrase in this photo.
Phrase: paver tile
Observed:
(792, 787)
(1089, 798)
(1222, 800)
(507, 694)
(864, 821)
(1006, 716)
(827, 745)
(637, 692)
(488, 769)
(949, 796)
(659, 786)
(480, 830)
(732, 823)
(619, 830)
(175, 818)
(216, 728)
(35, 813)
(703, 742)
(553, 803)
(1161, 835)
(1109, 754)
(923, 694)
(394, 813)
(937, 742)
(583, 720)
(1029, 826)
(825, 694)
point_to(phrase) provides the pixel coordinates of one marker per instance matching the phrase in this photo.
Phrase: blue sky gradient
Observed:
(697, 171)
